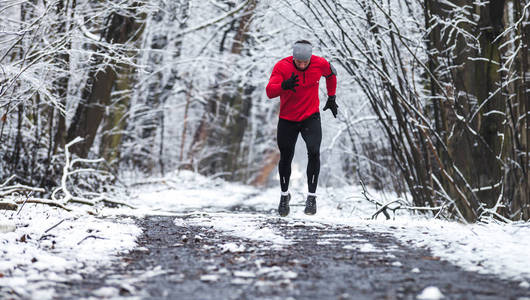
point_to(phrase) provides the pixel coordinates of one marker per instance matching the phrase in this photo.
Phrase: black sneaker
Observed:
(283, 208)
(311, 205)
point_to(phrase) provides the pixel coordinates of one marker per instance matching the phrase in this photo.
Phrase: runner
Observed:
(295, 80)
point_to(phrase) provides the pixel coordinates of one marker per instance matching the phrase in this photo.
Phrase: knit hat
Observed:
(302, 51)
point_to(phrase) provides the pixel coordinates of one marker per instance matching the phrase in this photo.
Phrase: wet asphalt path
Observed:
(322, 262)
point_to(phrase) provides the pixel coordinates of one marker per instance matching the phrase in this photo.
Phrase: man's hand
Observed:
(291, 83)
(331, 104)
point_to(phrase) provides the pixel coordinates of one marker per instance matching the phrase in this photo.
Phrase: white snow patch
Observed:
(397, 264)
(368, 248)
(106, 292)
(232, 247)
(210, 277)
(241, 225)
(244, 274)
(180, 222)
(7, 225)
(430, 293)
(524, 284)
(276, 272)
(241, 281)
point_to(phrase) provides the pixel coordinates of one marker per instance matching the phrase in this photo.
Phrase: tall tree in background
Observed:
(226, 117)
(121, 27)
(27, 98)
(165, 38)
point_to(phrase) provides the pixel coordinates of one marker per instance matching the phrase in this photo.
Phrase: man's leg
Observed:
(312, 135)
(286, 137)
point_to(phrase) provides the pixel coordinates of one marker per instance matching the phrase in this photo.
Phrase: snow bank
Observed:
(36, 254)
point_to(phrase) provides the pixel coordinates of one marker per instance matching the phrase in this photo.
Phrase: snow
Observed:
(430, 293)
(490, 248)
(232, 247)
(241, 281)
(244, 274)
(242, 225)
(106, 292)
(35, 255)
(209, 277)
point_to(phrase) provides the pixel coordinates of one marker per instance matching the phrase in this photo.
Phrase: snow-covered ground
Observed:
(36, 254)
(494, 248)
(41, 246)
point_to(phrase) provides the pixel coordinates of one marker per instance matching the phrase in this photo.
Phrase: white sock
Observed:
(285, 193)
(312, 194)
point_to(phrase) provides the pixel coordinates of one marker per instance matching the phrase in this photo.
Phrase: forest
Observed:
(433, 96)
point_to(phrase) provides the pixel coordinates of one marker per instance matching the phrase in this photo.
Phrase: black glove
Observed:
(291, 83)
(331, 104)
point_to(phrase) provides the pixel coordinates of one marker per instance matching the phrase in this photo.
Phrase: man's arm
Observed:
(331, 79)
(274, 87)
(331, 84)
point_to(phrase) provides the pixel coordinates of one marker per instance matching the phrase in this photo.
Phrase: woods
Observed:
(433, 95)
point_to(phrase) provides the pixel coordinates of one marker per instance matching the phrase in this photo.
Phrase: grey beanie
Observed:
(302, 51)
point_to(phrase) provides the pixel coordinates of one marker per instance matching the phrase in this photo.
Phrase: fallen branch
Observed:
(118, 203)
(24, 203)
(382, 209)
(43, 201)
(8, 190)
(150, 181)
(90, 236)
(8, 180)
(68, 170)
(47, 230)
(8, 206)
(401, 204)
(385, 207)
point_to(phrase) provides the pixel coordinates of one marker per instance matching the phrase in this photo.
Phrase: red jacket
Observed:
(302, 104)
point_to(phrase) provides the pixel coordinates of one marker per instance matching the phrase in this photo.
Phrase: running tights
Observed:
(287, 135)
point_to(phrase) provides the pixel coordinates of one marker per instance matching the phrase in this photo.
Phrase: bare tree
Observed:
(448, 103)
(120, 27)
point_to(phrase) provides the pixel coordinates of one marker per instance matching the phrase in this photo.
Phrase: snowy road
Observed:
(237, 255)
(191, 237)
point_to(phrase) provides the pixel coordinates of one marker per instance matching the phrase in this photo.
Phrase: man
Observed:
(295, 79)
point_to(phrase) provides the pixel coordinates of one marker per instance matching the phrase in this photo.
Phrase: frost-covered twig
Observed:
(8, 190)
(383, 209)
(24, 203)
(401, 204)
(90, 236)
(150, 181)
(43, 201)
(47, 230)
(7, 181)
(69, 170)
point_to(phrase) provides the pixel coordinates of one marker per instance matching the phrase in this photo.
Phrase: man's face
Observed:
(301, 64)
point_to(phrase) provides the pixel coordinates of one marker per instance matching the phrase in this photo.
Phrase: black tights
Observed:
(287, 135)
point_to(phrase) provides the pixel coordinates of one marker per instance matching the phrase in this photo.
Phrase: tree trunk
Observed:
(163, 85)
(67, 12)
(96, 95)
(229, 108)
